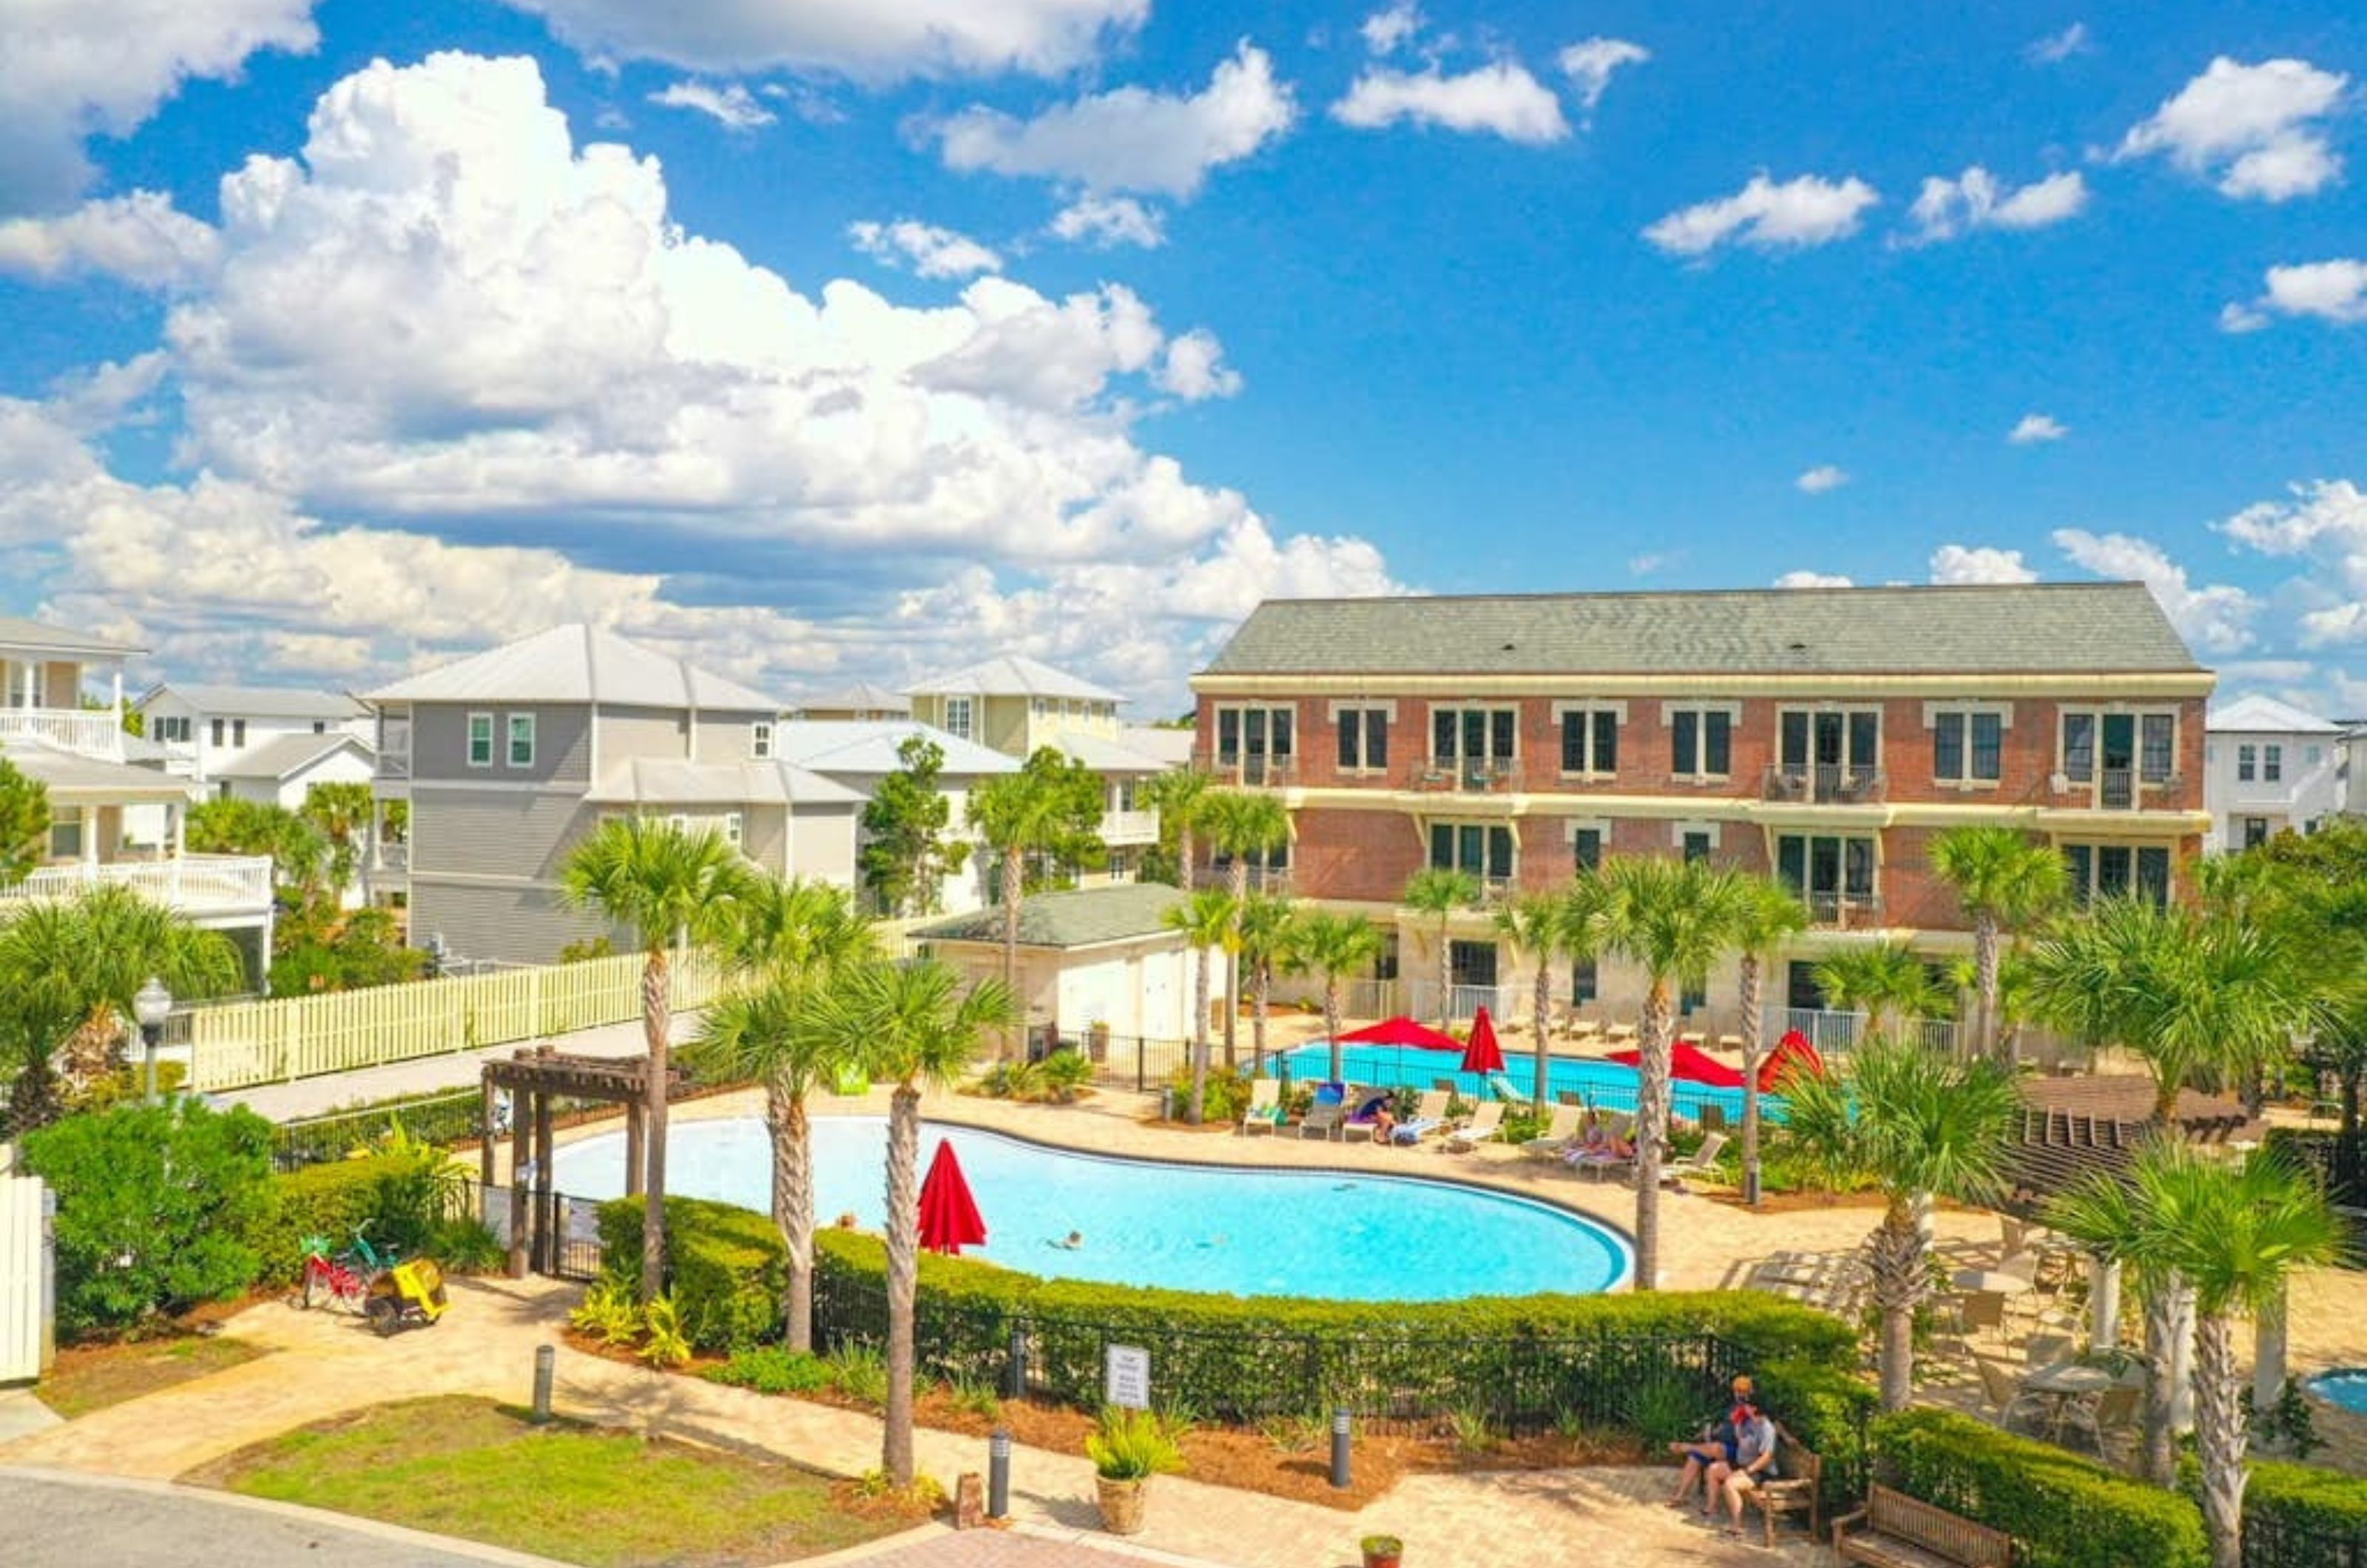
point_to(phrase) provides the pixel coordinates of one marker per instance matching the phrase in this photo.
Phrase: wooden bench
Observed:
(1894, 1531)
(1802, 1475)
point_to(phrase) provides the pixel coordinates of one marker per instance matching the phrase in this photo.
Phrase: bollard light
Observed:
(1340, 1424)
(545, 1361)
(998, 1474)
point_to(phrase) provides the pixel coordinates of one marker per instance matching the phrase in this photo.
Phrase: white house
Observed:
(283, 769)
(205, 731)
(1092, 955)
(857, 753)
(2269, 767)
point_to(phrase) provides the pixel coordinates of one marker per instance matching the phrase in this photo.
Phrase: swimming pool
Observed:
(2346, 1386)
(1605, 1084)
(1224, 1229)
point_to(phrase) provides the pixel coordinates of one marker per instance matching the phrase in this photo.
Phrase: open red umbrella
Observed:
(1689, 1064)
(1401, 1031)
(1482, 1054)
(1793, 1048)
(949, 1219)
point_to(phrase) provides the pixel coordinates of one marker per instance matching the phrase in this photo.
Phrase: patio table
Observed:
(2063, 1383)
(1997, 1281)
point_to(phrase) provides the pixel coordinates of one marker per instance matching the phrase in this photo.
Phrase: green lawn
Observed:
(89, 1378)
(466, 1467)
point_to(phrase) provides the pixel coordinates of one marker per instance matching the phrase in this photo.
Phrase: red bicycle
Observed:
(336, 1279)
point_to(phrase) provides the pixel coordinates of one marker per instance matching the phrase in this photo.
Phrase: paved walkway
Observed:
(326, 1363)
(427, 1075)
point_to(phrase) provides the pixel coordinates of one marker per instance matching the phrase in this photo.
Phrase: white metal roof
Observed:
(1107, 756)
(577, 663)
(2257, 715)
(863, 696)
(70, 775)
(19, 634)
(673, 780)
(1011, 675)
(285, 756)
(256, 702)
(869, 747)
(1172, 747)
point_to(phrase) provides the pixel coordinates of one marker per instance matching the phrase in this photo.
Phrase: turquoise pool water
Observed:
(2347, 1388)
(1603, 1084)
(1242, 1232)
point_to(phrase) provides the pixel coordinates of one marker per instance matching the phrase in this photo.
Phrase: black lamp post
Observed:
(150, 1006)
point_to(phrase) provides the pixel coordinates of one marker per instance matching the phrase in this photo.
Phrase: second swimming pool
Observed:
(1606, 1084)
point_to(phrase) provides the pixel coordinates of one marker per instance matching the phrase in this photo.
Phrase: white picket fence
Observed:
(294, 1037)
(28, 1290)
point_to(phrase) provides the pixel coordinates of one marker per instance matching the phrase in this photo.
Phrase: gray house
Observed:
(509, 758)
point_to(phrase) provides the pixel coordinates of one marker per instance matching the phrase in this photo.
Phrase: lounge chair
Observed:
(1703, 1161)
(1487, 1124)
(1429, 1116)
(1366, 1120)
(1264, 1113)
(1600, 1162)
(1557, 1134)
(1324, 1116)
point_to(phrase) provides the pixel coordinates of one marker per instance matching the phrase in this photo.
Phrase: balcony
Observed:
(85, 732)
(1121, 828)
(1497, 776)
(1252, 769)
(2117, 789)
(195, 884)
(1274, 879)
(1824, 784)
(1843, 911)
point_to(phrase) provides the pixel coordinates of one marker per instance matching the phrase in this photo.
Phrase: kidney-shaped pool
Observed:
(1185, 1227)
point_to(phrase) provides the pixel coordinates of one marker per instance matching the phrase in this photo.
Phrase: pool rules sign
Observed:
(1125, 1377)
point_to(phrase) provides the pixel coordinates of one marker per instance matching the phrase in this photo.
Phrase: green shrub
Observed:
(1223, 1096)
(155, 1203)
(2064, 1511)
(725, 1266)
(772, 1369)
(2306, 1498)
(859, 1373)
(1132, 1445)
(407, 1196)
(326, 1201)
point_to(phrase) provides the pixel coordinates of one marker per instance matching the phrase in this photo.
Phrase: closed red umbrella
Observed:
(1689, 1064)
(1792, 1050)
(949, 1219)
(1481, 1053)
(1401, 1031)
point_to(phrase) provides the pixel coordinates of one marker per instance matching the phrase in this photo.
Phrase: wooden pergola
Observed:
(533, 1078)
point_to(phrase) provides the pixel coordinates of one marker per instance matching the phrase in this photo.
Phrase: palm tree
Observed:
(68, 972)
(2003, 878)
(1205, 919)
(910, 1023)
(674, 889)
(1888, 981)
(1533, 924)
(1267, 928)
(1440, 891)
(1180, 797)
(790, 938)
(1675, 920)
(1242, 824)
(1333, 945)
(1767, 914)
(1016, 813)
(1922, 1126)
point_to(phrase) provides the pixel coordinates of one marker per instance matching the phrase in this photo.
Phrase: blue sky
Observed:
(858, 337)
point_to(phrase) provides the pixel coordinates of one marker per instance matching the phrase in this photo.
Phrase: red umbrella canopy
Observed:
(1483, 1055)
(1792, 1050)
(1401, 1031)
(1692, 1064)
(949, 1219)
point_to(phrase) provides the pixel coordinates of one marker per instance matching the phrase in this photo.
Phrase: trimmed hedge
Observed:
(724, 1265)
(2304, 1516)
(398, 1195)
(2062, 1510)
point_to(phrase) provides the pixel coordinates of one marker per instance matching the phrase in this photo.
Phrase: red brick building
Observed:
(1823, 735)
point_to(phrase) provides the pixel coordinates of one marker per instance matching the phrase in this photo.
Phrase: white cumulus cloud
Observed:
(1500, 99)
(1945, 209)
(731, 106)
(1813, 580)
(70, 68)
(2328, 290)
(1196, 368)
(1795, 213)
(2033, 429)
(1385, 31)
(1822, 478)
(2056, 48)
(931, 252)
(1590, 62)
(870, 40)
(2215, 619)
(1132, 138)
(1978, 563)
(141, 238)
(1107, 221)
(2257, 130)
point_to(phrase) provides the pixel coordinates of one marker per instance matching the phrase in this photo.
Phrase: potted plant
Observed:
(1383, 1551)
(1097, 1039)
(1130, 1446)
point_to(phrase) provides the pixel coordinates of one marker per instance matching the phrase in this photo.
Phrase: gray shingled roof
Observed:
(1081, 918)
(2007, 628)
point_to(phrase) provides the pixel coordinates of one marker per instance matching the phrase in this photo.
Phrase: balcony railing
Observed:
(1247, 767)
(196, 884)
(1273, 879)
(1129, 827)
(89, 734)
(1823, 784)
(1843, 911)
(2117, 789)
(1499, 775)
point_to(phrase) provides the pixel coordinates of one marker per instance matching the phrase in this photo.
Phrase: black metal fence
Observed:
(1121, 1061)
(573, 1224)
(435, 1119)
(2273, 1540)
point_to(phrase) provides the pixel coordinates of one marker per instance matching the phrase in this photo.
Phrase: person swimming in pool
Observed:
(1071, 1242)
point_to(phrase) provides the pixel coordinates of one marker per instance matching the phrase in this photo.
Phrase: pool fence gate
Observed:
(27, 1275)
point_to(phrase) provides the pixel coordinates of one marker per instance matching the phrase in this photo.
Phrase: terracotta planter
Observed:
(1121, 1504)
(1383, 1559)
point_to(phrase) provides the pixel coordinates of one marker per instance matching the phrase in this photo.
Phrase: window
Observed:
(2114, 871)
(174, 729)
(1697, 847)
(66, 838)
(1256, 744)
(215, 731)
(481, 740)
(2158, 747)
(1363, 739)
(238, 732)
(958, 717)
(2248, 762)
(2122, 748)
(760, 739)
(521, 741)
(1830, 873)
(320, 726)
(1700, 742)
(2311, 756)
(1833, 747)
(1967, 748)
(734, 829)
(2273, 764)
(1590, 740)
(1475, 743)
(1586, 848)
(2080, 747)
(1585, 981)
(1484, 851)
(2256, 831)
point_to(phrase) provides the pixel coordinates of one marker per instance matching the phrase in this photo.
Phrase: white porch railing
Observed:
(1463, 1001)
(89, 733)
(1830, 1031)
(1130, 827)
(195, 883)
